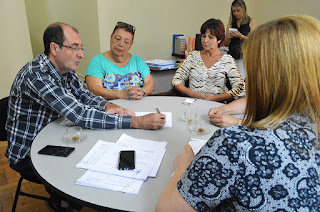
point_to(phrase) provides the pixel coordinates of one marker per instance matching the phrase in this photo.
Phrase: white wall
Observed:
(267, 10)
(38, 21)
(15, 42)
(157, 20)
(81, 14)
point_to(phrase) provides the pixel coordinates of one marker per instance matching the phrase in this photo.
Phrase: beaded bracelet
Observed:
(143, 92)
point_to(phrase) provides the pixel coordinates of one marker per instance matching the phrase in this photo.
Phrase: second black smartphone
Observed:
(126, 160)
(62, 151)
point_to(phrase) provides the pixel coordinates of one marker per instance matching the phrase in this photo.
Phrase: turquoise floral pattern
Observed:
(120, 82)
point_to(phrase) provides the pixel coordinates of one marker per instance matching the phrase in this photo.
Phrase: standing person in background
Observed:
(239, 20)
(117, 74)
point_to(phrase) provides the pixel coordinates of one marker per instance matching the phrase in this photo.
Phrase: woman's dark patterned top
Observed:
(242, 168)
(235, 44)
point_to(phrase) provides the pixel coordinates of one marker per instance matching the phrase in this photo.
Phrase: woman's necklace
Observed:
(216, 58)
(209, 62)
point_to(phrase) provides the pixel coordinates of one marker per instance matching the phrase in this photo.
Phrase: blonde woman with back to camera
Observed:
(272, 163)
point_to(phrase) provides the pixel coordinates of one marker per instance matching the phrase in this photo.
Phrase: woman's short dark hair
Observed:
(127, 27)
(216, 28)
(54, 33)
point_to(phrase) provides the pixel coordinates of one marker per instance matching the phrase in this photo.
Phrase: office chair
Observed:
(3, 137)
(3, 118)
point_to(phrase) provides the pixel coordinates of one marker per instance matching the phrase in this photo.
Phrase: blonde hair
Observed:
(282, 63)
(245, 18)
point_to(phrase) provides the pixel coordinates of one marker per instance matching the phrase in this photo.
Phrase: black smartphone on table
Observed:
(126, 160)
(62, 151)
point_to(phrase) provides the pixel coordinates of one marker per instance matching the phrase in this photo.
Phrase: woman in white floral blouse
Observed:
(209, 70)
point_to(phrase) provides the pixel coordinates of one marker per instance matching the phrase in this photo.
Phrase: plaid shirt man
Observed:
(40, 95)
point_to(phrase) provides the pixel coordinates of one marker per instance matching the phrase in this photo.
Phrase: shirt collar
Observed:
(53, 71)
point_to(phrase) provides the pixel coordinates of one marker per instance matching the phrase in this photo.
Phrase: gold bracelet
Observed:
(240, 121)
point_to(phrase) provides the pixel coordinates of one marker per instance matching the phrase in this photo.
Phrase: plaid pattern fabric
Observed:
(40, 95)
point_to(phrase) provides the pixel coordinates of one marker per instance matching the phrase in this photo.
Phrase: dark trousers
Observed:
(24, 167)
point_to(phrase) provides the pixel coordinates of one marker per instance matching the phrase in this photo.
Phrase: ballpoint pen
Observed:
(158, 111)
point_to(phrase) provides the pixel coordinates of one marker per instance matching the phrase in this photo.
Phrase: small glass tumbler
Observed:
(73, 134)
(190, 117)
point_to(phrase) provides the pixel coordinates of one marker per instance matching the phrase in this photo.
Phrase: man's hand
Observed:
(222, 120)
(115, 109)
(151, 121)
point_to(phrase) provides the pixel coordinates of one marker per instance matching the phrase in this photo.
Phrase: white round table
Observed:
(61, 173)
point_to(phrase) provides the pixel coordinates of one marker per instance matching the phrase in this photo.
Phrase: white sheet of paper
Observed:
(147, 155)
(189, 101)
(110, 182)
(196, 144)
(128, 141)
(168, 117)
(145, 160)
(156, 166)
(96, 152)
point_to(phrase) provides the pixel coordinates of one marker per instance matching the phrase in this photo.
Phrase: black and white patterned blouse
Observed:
(241, 169)
(213, 80)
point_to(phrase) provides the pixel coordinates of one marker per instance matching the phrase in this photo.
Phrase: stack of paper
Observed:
(102, 164)
(159, 65)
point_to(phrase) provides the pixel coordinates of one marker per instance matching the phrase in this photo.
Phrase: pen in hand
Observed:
(158, 111)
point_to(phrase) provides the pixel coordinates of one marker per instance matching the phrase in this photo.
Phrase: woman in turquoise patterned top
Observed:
(117, 74)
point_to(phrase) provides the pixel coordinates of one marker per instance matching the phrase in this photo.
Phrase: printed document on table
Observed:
(156, 166)
(128, 142)
(145, 160)
(147, 155)
(168, 117)
(110, 182)
(196, 144)
(97, 151)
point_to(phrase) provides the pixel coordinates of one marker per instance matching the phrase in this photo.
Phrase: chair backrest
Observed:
(3, 118)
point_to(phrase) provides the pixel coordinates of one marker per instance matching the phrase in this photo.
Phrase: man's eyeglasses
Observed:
(125, 25)
(76, 49)
(237, 10)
